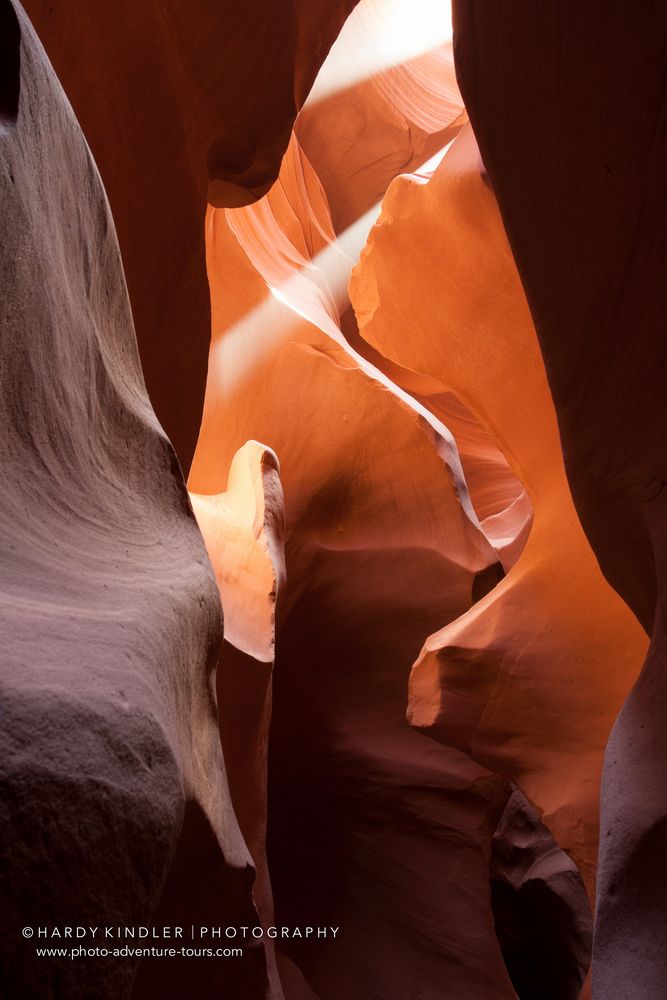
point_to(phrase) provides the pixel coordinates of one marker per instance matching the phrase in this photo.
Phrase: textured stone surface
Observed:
(115, 802)
(568, 104)
(381, 544)
(243, 531)
(180, 99)
(424, 502)
(384, 122)
(530, 679)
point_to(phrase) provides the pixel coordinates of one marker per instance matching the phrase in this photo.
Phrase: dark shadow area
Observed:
(203, 891)
(369, 824)
(485, 580)
(541, 910)
(10, 66)
(539, 940)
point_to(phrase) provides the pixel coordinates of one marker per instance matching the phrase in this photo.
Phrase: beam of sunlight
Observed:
(423, 173)
(379, 34)
(307, 294)
(257, 334)
(245, 345)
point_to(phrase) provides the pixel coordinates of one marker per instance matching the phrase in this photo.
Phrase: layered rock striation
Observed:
(115, 803)
(183, 102)
(468, 424)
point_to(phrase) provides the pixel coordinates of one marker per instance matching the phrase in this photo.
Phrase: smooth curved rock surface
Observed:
(183, 101)
(422, 463)
(501, 502)
(115, 805)
(359, 132)
(379, 532)
(243, 529)
(530, 679)
(576, 149)
(400, 108)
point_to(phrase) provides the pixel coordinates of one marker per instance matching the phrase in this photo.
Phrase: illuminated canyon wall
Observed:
(409, 359)
(586, 220)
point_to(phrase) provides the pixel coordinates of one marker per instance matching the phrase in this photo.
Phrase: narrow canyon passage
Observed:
(401, 384)
(315, 638)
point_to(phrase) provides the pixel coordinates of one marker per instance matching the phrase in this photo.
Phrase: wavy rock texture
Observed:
(400, 118)
(381, 543)
(340, 680)
(500, 500)
(423, 493)
(243, 529)
(582, 195)
(180, 100)
(384, 122)
(530, 679)
(115, 801)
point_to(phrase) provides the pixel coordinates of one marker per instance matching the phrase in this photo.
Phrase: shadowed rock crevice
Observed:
(201, 890)
(10, 66)
(542, 916)
(485, 580)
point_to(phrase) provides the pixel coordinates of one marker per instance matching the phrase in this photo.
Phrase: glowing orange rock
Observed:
(400, 117)
(400, 107)
(283, 245)
(381, 543)
(530, 679)
(243, 531)
(576, 148)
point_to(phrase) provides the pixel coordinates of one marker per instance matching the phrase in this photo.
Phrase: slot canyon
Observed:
(333, 515)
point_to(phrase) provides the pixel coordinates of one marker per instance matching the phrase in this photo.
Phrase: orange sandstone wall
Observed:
(567, 102)
(530, 680)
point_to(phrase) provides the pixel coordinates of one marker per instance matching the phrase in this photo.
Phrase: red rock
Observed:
(381, 543)
(422, 461)
(384, 122)
(568, 107)
(115, 807)
(243, 530)
(518, 680)
(180, 101)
